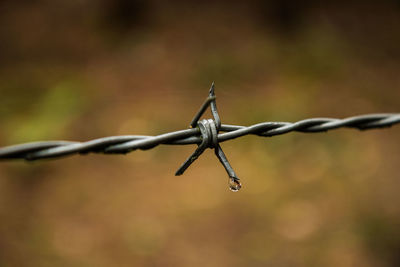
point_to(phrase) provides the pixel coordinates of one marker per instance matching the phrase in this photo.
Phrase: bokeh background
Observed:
(77, 70)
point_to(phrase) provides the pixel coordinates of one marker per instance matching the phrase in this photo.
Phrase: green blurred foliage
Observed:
(48, 116)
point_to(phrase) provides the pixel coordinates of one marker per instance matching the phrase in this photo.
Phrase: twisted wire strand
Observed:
(126, 143)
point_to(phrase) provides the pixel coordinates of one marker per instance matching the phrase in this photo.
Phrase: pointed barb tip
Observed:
(212, 89)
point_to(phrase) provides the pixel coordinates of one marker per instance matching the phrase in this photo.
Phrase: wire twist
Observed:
(204, 133)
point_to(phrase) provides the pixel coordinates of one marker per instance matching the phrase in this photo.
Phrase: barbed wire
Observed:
(204, 133)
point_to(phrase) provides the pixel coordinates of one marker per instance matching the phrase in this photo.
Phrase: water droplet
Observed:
(234, 184)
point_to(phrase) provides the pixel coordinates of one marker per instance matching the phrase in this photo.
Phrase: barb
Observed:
(204, 133)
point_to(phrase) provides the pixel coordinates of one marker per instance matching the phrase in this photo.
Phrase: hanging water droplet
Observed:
(234, 184)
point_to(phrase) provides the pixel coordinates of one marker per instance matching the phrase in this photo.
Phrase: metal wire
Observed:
(205, 134)
(126, 143)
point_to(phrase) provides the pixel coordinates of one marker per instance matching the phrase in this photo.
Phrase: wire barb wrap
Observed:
(209, 139)
(210, 133)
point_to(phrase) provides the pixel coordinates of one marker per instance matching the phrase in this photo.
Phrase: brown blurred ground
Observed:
(77, 70)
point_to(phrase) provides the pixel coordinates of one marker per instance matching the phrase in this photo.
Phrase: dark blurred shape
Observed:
(382, 237)
(286, 16)
(124, 15)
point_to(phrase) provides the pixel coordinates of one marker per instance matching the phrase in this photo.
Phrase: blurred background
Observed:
(78, 70)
